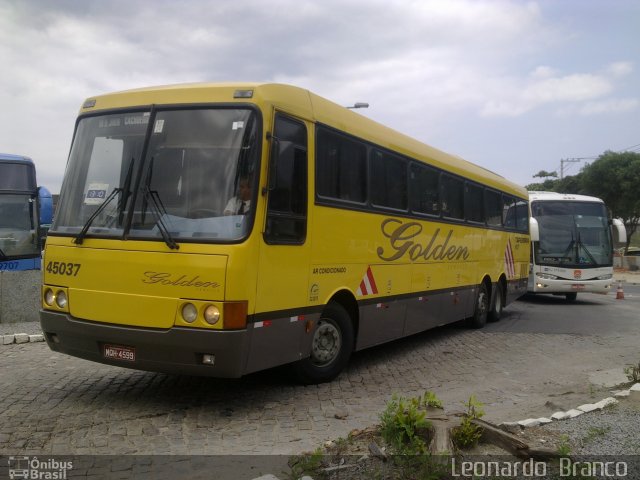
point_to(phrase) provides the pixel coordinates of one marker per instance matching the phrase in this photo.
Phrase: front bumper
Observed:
(175, 350)
(572, 286)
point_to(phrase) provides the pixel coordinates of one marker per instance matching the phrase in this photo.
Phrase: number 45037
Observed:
(63, 268)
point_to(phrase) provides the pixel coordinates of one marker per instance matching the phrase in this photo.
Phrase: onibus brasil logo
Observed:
(22, 467)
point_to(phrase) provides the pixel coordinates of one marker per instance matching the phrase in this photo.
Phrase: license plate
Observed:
(119, 352)
(577, 287)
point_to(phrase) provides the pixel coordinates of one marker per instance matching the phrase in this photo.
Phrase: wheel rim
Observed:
(482, 304)
(326, 343)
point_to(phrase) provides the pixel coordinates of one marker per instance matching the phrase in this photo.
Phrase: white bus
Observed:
(572, 244)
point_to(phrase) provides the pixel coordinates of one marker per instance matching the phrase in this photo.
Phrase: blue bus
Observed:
(26, 211)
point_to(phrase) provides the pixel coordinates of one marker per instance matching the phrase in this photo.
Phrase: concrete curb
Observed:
(18, 338)
(574, 412)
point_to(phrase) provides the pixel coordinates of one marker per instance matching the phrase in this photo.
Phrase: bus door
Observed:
(283, 267)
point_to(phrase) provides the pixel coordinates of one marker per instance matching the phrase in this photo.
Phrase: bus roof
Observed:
(301, 102)
(9, 157)
(548, 196)
(18, 174)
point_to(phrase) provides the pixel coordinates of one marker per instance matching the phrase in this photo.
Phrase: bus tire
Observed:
(481, 311)
(331, 346)
(498, 304)
(571, 297)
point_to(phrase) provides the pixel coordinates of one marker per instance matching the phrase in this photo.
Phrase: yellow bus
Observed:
(222, 229)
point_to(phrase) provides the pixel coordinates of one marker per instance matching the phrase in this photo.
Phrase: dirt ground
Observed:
(363, 455)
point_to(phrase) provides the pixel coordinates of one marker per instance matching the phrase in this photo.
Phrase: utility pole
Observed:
(567, 160)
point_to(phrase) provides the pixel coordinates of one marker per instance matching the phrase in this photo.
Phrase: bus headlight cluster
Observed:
(210, 313)
(605, 277)
(547, 276)
(53, 298)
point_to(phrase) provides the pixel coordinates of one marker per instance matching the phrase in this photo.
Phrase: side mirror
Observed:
(534, 230)
(619, 231)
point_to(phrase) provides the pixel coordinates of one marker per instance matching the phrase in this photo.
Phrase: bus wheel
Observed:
(498, 304)
(479, 318)
(331, 346)
(571, 297)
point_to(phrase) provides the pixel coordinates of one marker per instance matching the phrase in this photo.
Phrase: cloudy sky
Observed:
(514, 86)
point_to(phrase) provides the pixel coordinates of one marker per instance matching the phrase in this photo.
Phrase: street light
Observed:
(359, 105)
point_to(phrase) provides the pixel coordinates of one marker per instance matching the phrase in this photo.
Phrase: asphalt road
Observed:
(590, 314)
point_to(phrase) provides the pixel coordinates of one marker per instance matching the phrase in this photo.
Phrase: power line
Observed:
(567, 168)
(567, 160)
(631, 148)
(571, 160)
(563, 169)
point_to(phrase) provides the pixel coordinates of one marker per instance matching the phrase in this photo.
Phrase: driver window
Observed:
(287, 202)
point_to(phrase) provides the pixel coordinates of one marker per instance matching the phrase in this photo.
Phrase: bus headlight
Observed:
(61, 299)
(605, 277)
(189, 312)
(211, 314)
(49, 297)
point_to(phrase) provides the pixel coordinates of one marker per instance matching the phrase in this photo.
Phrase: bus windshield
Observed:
(17, 177)
(197, 163)
(572, 234)
(18, 227)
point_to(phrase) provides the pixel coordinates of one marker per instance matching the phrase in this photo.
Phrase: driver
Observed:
(241, 203)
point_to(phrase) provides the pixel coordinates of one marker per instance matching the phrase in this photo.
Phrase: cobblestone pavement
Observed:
(51, 404)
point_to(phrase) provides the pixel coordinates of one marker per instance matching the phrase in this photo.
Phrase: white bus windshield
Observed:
(572, 234)
(196, 161)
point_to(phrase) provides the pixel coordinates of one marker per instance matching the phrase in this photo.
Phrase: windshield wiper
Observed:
(156, 206)
(125, 190)
(80, 237)
(586, 250)
(569, 249)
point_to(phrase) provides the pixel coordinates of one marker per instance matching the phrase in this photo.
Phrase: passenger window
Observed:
(424, 190)
(516, 213)
(388, 180)
(522, 215)
(341, 167)
(474, 203)
(493, 208)
(452, 194)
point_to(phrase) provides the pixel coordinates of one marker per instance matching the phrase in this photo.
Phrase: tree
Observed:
(545, 174)
(569, 184)
(615, 177)
(547, 186)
